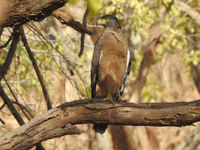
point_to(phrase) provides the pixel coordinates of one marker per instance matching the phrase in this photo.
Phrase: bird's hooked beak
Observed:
(102, 21)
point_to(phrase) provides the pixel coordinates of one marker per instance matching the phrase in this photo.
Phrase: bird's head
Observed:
(109, 21)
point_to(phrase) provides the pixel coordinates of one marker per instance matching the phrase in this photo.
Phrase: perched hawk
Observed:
(111, 63)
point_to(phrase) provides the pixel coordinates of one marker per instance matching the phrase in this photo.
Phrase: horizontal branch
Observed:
(98, 111)
(20, 12)
(66, 19)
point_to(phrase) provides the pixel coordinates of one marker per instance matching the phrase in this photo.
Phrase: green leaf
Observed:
(73, 2)
(94, 6)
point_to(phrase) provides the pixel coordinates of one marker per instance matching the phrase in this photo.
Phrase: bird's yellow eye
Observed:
(107, 19)
(104, 20)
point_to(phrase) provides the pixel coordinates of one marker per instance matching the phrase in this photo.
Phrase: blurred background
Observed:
(163, 37)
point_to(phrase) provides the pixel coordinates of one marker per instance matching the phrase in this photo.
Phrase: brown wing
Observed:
(128, 70)
(112, 65)
(95, 66)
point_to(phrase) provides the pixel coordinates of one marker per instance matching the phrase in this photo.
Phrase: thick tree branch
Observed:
(67, 19)
(15, 113)
(21, 12)
(99, 111)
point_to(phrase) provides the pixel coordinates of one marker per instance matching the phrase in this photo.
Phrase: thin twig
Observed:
(10, 89)
(41, 36)
(39, 145)
(168, 8)
(2, 106)
(10, 106)
(39, 75)
(8, 41)
(17, 102)
(3, 122)
(24, 108)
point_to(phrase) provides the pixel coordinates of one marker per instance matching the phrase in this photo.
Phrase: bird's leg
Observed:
(110, 98)
(118, 99)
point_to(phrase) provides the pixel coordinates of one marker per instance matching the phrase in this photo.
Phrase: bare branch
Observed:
(67, 19)
(8, 41)
(39, 75)
(16, 100)
(14, 112)
(10, 106)
(21, 12)
(147, 60)
(11, 53)
(1, 120)
(155, 33)
(195, 15)
(2, 106)
(83, 34)
(99, 111)
(24, 110)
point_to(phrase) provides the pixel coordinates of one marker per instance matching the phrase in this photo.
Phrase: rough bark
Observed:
(21, 11)
(98, 111)
(67, 19)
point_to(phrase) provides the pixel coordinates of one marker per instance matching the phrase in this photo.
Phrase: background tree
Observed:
(40, 67)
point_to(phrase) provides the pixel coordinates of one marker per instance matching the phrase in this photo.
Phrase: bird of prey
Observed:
(111, 63)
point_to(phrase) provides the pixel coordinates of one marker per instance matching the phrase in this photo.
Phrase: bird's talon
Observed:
(112, 102)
